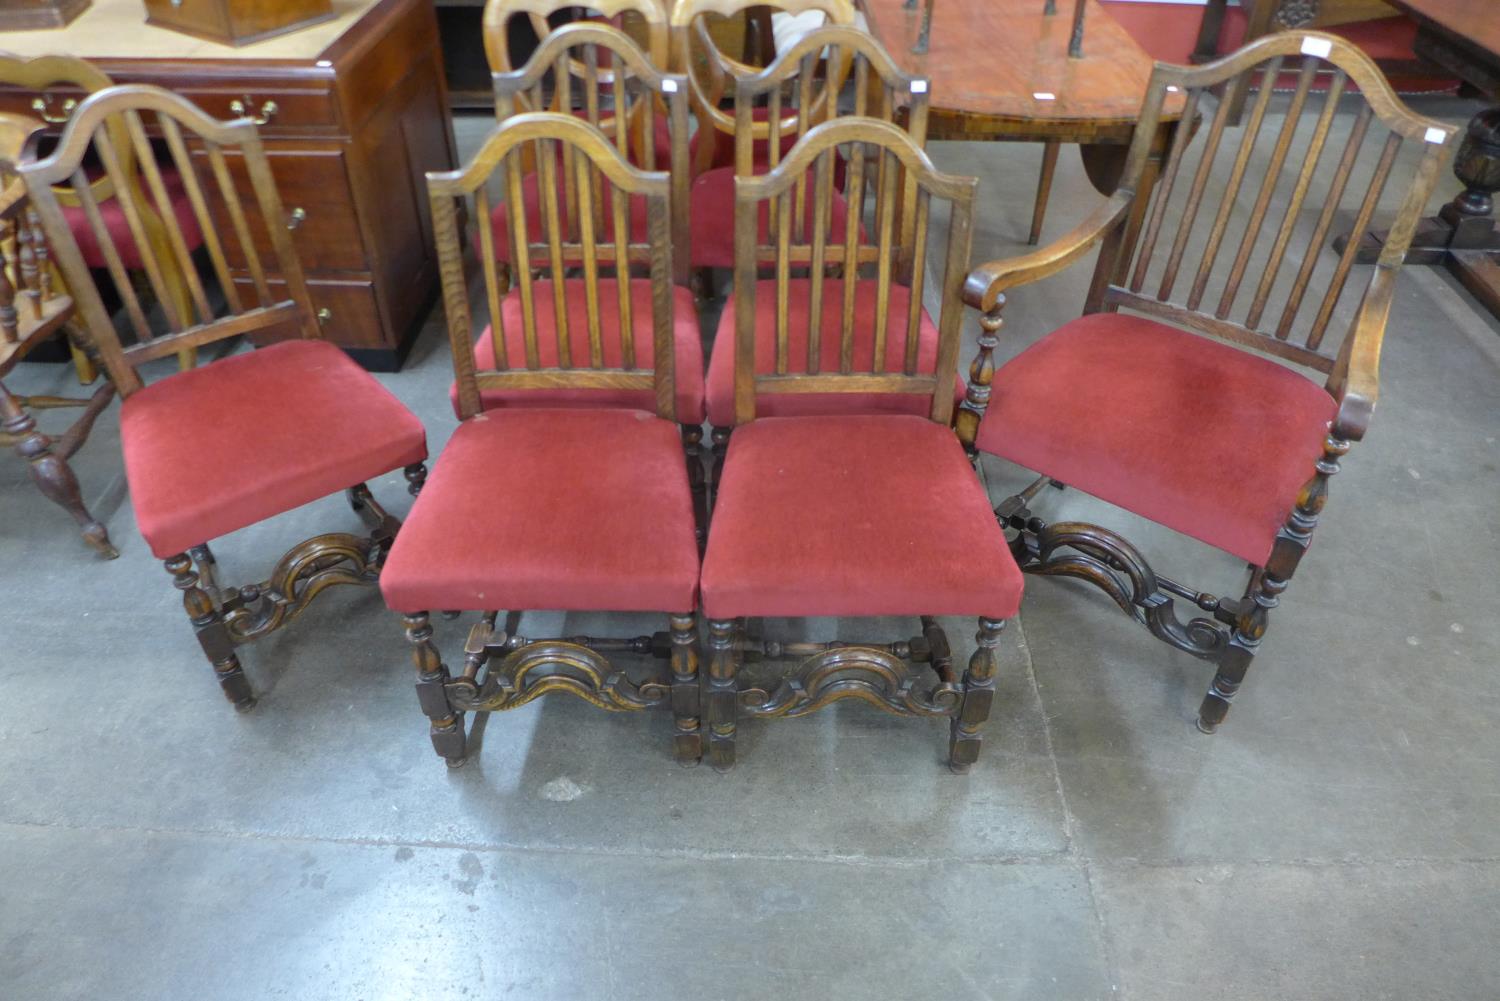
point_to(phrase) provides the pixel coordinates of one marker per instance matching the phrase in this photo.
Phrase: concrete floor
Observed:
(1339, 838)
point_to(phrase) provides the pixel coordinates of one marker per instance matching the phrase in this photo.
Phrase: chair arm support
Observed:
(988, 280)
(1355, 379)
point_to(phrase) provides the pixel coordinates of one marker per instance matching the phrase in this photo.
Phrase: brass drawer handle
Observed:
(298, 217)
(41, 105)
(324, 315)
(241, 109)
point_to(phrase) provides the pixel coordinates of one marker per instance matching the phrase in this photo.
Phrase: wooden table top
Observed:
(1003, 60)
(1475, 21)
(117, 29)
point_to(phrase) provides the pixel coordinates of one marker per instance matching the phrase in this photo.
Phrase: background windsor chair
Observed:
(882, 287)
(572, 80)
(1176, 415)
(570, 508)
(220, 447)
(554, 199)
(855, 515)
(34, 307)
(170, 289)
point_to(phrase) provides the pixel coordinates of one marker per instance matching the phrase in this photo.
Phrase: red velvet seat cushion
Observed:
(214, 449)
(1202, 437)
(688, 354)
(711, 219)
(581, 510)
(799, 303)
(532, 200)
(865, 515)
(119, 229)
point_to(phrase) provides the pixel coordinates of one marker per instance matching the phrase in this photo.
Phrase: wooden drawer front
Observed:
(279, 112)
(296, 112)
(352, 318)
(327, 235)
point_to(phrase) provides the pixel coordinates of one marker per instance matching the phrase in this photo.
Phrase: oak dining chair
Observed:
(851, 515)
(572, 508)
(223, 446)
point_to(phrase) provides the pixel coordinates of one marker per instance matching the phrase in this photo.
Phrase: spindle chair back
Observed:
(1240, 254)
(624, 95)
(117, 125)
(44, 74)
(650, 14)
(869, 359)
(790, 91)
(712, 73)
(562, 357)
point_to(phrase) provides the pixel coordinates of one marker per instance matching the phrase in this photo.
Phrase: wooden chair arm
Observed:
(985, 283)
(1355, 380)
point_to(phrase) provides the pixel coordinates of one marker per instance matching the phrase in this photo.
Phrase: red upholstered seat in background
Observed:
(866, 515)
(583, 510)
(721, 362)
(711, 218)
(214, 449)
(1202, 437)
(688, 354)
(119, 229)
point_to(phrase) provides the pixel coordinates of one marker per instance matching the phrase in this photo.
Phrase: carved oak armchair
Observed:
(217, 448)
(575, 508)
(839, 515)
(1175, 410)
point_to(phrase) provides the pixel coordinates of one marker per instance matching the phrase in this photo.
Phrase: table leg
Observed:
(1043, 190)
(1463, 234)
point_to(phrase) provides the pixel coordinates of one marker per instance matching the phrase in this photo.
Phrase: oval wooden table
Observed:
(1000, 70)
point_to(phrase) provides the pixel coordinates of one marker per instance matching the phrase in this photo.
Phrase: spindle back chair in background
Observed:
(711, 72)
(226, 445)
(1171, 413)
(651, 15)
(616, 77)
(575, 508)
(836, 515)
(568, 210)
(171, 287)
(34, 306)
(865, 194)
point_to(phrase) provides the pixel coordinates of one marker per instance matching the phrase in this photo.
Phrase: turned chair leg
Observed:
(416, 477)
(212, 634)
(51, 472)
(979, 693)
(687, 738)
(723, 701)
(446, 727)
(1263, 595)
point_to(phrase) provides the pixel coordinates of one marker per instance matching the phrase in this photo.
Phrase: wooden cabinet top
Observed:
(117, 29)
(1004, 59)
